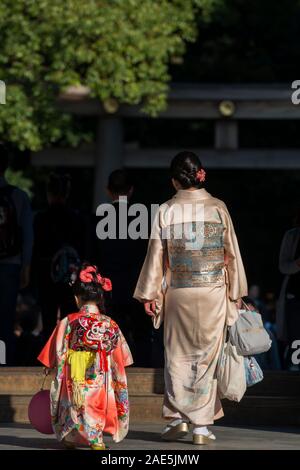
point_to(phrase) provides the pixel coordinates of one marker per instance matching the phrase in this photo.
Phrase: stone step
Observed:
(263, 411)
(275, 401)
(251, 411)
(14, 408)
(27, 380)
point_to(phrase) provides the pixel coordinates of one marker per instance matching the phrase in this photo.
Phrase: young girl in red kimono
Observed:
(89, 394)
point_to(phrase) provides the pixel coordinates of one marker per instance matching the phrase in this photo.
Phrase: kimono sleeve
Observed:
(48, 354)
(53, 349)
(237, 280)
(151, 275)
(120, 358)
(122, 355)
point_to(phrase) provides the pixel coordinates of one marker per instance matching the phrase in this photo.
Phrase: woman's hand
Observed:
(150, 307)
(239, 303)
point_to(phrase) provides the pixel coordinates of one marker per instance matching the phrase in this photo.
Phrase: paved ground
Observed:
(146, 437)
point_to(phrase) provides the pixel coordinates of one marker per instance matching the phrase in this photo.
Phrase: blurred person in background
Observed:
(270, 308)
(28, 329)
(120, 259)
(255, 295)
(288, 309)
(16, 239)
(58, 247)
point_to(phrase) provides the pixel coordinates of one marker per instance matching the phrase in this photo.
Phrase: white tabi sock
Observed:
(201, 430)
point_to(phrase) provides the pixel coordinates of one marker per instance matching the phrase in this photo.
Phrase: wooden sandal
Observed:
(201, 439)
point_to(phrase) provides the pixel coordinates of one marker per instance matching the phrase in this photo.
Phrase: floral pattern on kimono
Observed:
(105, 392)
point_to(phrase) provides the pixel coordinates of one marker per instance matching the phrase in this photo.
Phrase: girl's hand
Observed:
(239, 304)
(47, 370)
(150, 307)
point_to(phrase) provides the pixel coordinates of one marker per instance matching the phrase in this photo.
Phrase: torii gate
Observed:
(226, 105)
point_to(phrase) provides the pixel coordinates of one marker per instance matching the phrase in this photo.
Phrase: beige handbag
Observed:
(248, 333)
(230, 374)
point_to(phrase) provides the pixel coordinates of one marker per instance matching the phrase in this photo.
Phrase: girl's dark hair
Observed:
(89, 291)
(59, 185)
(184, 167)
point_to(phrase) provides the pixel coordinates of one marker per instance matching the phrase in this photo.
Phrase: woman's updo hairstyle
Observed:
(87, 286)
(185, 168)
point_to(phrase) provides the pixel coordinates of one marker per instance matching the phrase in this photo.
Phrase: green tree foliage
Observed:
(17, 178)
(120, 49)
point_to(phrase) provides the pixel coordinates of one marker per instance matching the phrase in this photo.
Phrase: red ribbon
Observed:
(103, 360)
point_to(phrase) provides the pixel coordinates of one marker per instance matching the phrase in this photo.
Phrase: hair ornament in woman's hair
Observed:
(201, 175)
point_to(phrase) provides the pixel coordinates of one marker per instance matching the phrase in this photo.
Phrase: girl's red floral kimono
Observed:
(89, 393)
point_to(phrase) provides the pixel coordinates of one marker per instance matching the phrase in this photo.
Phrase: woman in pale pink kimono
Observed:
(89, 394)
(193, 258)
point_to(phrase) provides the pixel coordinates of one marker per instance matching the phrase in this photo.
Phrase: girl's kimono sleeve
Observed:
(51, 354)
(150, 280)
(48, 354)
(237, 281)
(121, 357)
(122, 354)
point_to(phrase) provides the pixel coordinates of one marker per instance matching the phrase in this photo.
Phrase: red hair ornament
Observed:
(201, 175)
(89, 274)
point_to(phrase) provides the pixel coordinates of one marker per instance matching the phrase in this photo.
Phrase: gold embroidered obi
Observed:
(196, 254)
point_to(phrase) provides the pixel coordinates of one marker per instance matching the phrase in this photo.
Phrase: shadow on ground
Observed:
(31, 443)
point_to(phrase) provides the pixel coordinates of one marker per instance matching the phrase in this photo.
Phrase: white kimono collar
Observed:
(196, 194)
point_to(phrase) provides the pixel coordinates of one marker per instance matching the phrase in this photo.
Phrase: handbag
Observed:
(248, 334)
(230, 374)
(253, 372)
(39, 410)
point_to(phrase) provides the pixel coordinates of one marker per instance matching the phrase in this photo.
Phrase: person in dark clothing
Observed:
(29, 341)
(288, 309)
(16, 239)
(121, 259)
(58, 246)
